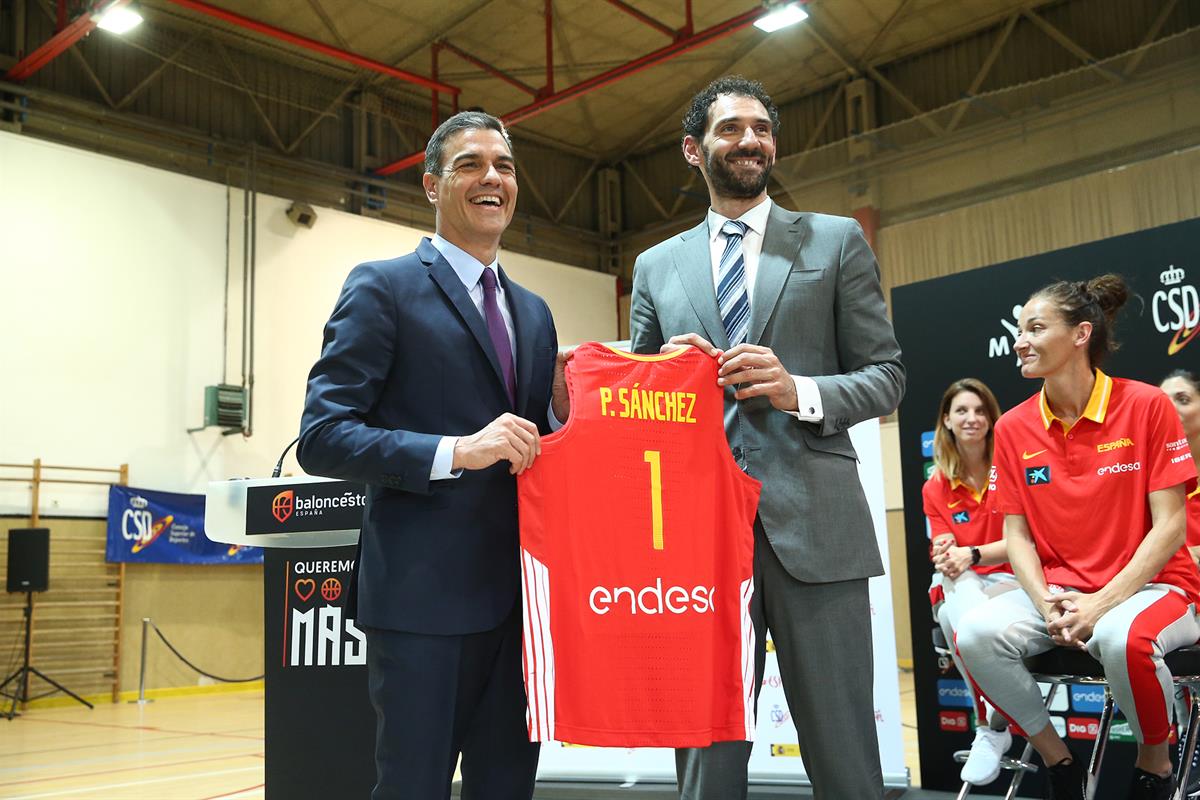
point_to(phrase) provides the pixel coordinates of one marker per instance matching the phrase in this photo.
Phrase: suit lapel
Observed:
(693, 263)
(447, 280)
(524, 313)
(781, 246)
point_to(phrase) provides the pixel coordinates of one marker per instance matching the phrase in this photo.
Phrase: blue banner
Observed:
(147, 527)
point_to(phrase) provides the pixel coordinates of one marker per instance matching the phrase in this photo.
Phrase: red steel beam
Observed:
(58, 44)
(548, 89)
(641, 16)
(433, 72)
(313, 45)
(663, 54)
(488, 68)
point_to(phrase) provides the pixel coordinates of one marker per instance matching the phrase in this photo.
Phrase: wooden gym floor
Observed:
(197, 747)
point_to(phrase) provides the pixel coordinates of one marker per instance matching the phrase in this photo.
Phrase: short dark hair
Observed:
(462, 121)
(1096, 301)
(1184, 375)
(695, 121)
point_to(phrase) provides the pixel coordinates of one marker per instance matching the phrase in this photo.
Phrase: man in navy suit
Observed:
(433, 387)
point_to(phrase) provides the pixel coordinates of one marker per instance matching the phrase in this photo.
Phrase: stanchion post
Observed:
(141, 698)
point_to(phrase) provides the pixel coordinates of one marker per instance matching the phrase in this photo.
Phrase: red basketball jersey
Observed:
(637, 559)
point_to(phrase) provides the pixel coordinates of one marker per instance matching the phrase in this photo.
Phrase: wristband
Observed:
(976, 556)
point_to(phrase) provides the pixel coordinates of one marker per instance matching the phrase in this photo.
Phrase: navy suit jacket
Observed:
(406, 360)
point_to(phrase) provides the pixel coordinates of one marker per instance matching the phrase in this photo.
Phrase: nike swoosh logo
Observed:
(952, 505)
(1027, 455)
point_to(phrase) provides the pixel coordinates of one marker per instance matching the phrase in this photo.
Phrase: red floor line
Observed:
(150, 728)
(134, 768)
(93, 746)
(235, 792)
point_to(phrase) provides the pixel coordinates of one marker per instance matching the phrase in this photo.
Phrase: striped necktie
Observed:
(732, 299)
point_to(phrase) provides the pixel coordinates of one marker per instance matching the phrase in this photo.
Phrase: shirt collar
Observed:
(955, 483)
(466, 266)
(1097, 404)
(755, 219)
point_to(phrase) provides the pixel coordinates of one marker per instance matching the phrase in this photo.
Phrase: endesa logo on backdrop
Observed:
(304, 507)
(1175, 309)
(955, 694)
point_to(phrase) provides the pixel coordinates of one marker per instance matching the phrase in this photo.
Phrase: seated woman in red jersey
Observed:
(1183, 388)
(966, 546)
(1091, 474)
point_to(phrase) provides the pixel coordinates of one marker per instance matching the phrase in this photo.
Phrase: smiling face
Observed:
(1045, 342)
(738, 149)
(1187, 402)
(476, 193)
(967, 418)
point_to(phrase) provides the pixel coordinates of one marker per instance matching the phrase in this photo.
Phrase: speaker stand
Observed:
(21, 676)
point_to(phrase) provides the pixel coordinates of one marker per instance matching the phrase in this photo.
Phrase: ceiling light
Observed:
(119, 18)
(780, 15)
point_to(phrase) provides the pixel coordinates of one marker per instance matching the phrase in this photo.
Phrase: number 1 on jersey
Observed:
(654, 459)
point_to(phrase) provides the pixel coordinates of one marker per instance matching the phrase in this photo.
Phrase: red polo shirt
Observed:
(1083, 489)
(1193, 517)
(953, 507)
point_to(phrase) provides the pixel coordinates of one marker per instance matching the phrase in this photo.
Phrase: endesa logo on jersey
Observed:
(1083, 727)
(954, 721)
(1175, 309)
(652, 599)
(955, 694)
(1117, 469)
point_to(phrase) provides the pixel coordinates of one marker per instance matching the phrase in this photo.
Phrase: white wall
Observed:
(111, 304)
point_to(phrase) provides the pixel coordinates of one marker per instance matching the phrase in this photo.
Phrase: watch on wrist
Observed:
(976, 556)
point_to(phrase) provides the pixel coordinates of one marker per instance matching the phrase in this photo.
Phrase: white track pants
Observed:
(1129, 641)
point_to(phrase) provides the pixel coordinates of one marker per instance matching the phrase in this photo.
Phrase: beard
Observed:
(727, 183)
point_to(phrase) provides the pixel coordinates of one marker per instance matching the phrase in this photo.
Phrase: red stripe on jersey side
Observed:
(539, 685)
(527, 658)
(748, 671)
(543, 588)
(1148, 702)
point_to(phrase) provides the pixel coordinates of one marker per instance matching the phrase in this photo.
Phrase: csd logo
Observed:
(283, 505)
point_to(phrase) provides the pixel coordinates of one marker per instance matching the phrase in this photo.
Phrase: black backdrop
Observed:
(962, 325)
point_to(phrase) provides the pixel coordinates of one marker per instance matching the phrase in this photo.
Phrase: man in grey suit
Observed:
(791, 306)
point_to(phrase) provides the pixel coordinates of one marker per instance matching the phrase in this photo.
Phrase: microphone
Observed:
(279, 464)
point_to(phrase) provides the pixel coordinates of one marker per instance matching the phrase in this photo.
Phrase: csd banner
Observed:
(165, 528)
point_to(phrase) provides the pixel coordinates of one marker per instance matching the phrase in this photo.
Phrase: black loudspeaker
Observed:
(28, 559)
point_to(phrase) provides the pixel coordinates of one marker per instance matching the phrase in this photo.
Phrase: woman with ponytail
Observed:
(1091, 474)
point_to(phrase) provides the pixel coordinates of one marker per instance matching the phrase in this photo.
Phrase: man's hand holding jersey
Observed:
(755, 369)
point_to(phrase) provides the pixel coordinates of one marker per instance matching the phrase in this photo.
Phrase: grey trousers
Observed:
(822, 637)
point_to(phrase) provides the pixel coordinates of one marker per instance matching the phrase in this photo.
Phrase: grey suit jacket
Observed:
(818, 305)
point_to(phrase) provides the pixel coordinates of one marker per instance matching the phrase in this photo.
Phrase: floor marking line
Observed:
(168, 779)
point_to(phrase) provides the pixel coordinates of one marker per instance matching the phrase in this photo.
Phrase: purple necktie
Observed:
(499, 333)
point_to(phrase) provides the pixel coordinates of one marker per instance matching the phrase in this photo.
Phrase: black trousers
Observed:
(438, 696)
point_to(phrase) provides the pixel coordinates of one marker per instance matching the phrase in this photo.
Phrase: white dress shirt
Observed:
(808, 396)
(469, 270)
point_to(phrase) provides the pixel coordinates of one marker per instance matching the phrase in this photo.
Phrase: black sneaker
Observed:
(1148, 786)
(1065, 781)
